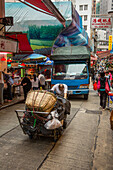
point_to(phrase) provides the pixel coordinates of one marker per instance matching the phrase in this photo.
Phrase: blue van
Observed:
(72, 68)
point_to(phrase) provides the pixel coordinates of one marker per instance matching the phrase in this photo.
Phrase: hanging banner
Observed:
(110, 42)
(101, 22)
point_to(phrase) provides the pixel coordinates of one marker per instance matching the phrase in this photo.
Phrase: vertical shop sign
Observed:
(110, 43)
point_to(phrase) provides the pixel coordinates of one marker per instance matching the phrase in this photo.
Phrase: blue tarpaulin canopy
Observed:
(47, 62)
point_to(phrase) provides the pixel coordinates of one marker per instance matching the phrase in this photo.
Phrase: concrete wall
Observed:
(2, 14)
(101, 34)
(105, 6)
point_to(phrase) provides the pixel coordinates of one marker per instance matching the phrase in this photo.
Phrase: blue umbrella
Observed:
(35, 57)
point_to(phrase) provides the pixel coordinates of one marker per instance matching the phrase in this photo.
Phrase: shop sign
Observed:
(101, 22)
(110, 42)
(14, 64)
(7, 45)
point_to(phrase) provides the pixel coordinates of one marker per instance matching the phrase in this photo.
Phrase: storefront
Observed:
(6, 46)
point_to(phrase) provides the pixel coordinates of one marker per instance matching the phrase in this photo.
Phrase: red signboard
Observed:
(101, 22)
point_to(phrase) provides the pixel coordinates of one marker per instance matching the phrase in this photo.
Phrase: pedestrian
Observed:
(60, 89)
(16, 88)
(9, 81)
(26, 83)
(1, 87)
(102, 89)
(42, 81)
(35, 82)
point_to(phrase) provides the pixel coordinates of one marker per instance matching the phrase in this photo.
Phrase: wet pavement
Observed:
(86, 144)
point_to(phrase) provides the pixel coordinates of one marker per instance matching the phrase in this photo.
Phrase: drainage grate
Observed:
(93, 111)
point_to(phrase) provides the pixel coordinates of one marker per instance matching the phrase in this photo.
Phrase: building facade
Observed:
(98, 8)
(93, 6)
(105, 6)
(102, 42)
(84, 8)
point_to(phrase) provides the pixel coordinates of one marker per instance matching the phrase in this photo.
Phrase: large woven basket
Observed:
(40, 100)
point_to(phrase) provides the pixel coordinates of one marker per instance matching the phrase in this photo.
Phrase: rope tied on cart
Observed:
(34, 124)
(42, 98)
(33, 100)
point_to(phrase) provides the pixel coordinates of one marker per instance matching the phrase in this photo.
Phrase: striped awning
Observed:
(46, 6)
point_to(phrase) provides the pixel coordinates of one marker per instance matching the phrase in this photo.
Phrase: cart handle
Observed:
(31, 111)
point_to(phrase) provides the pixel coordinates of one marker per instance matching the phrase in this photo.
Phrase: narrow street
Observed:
(85, 144)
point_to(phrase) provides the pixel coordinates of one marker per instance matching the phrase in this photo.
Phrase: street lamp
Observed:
(111, 13)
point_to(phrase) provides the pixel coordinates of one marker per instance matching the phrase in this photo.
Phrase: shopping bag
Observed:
(107, 88)
(95, 86)
(53, 124)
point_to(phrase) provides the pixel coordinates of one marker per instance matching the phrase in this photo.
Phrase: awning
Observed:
(93, 58)
(19, 57)
(104, 54)
(24, 46)
(43, 51)
(47, 6)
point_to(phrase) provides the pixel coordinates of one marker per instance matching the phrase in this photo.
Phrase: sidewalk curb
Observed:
(11, 104)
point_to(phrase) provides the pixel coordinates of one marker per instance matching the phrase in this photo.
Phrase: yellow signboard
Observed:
(110, 43)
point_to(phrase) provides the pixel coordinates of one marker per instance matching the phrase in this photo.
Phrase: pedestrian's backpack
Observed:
(10, 81)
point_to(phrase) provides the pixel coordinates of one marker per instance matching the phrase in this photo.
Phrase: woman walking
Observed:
(35, 82)
(104, 88)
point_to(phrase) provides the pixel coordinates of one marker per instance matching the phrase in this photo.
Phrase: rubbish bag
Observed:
(53, 124)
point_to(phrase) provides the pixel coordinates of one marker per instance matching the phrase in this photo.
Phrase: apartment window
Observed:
(85, 27)
(81, 7)
(85, 17)
(85, 7)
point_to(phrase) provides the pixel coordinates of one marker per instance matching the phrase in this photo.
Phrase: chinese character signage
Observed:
(7, 45)
(110, 43)
(101, 22)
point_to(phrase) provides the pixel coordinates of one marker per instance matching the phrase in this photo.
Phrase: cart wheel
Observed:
(111, 122)
(65, 124)
(30, 136)
(55, 135)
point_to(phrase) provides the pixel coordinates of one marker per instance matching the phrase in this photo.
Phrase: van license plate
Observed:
(70, 92)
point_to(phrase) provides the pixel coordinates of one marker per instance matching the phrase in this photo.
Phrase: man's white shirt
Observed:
(56, 88)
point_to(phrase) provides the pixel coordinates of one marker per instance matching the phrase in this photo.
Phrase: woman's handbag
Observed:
(107, 88)
(98, 84)
(95, 86)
